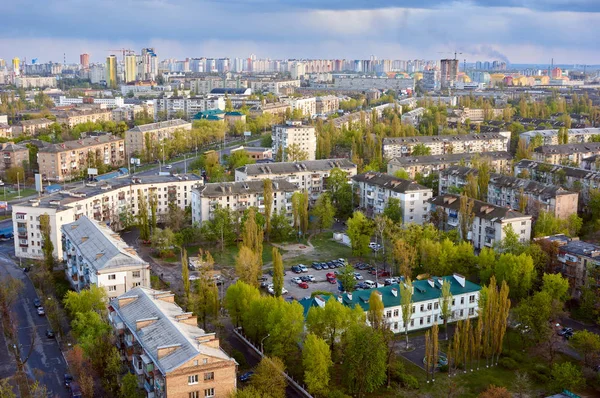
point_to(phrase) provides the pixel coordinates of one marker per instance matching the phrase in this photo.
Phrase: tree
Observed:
(252, 234)
(295, 153)
(238, 159)
(268, 199)
(176, 217)
(153, 202)
(129, 387)
(341, 192)
(280, 227)
(556, 286)
(445, 302)
(420, 150)
(517, 271)
(247, 265)
(487, 264)
(6, 389)
(185, 273)
(364, 370)
(360, 230)
(465, 216)
(277, 272)
(324, 212)
(347, 279)
(405, 256)
(15, 173)
(206, 303)
(238, 298)
(566, 376)
(495, 392)
(587, 344)
(316, 359)
(221, 227)
(47, 246)
(523, 150)
(375, 313)
(92, 299)
(268, 378)
(143, 216)
(162, 241)
(406, 304)
(402, 173)
(393, 210)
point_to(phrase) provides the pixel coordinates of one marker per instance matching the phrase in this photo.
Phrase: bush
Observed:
(337, 394)
(508, 363)
(541, 374)
(516, 355)
(409, 381)
(240, 358)
(444, 368)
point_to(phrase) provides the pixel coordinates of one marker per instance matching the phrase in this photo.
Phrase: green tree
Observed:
(221, 228)
(556, 286)
(316, 359)
(375, 313)
(587, 344)
(206, 299)
(445, 302)
(566, 376)
(268, 378)
(406, 304)
(295, 153)
(347, 279)
(402, 173)
(465, 215)
(323, 212)
(247, 266)
(393, 210)
(487, 264)
(185, 273)
(163, 241)
(152, 201)
(360, 230)
(517, 271)
(238, 298)
(280, 226)
(364, 370)
(143, 216)
(92, 299)
(268, 199)
(238, 159)
(341, 192)
(15, 174)
(420, 150)
(47, 245)
(277, 272)
(129, 387)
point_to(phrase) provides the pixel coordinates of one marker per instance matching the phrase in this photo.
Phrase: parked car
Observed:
(303, 268)
(246, 376)
(41, 311)
(388, 281)
(68, 379)
(330, 264)
(296, 280)
(303, 285)
(358, 276)
(382, 273)
(369, 284)
(342, 260)
(75, 390)
(330, 275)
(361, 285)
(50, 333)
(317, 266)
(271, 289)
(37, 303)
(324, 266)
(296, 269)
(568, 335)
(564, 331)
(331, 280)
(169, 167)
(311, 278)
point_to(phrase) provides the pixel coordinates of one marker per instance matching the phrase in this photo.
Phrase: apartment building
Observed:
(304, 137)
(278, 109)
(567, 154)
(136, 137)
(95, 255)
(175, 106)
(426, 310)
(412, 117)
(115, 203)
(13, 155)
(27, 82)
(476, 114)
(239, 196)
(105, 102)
(306, 105)
(550, 137)
(375, 190)
(273, 86)
(80, 115)
(6, 130)
(508, 191)
(398, 84)
(128, 113)
(489, 220)
(256, 152)
(206, 85)
(447, 144)
(167, 351)
(60, 162)
(327, 104)
(425, 165)
(574, 259)
(30, 127)
(310, 176)
(575, 179)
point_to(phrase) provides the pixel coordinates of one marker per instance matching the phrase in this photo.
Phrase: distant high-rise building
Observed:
(84, 60)
(2, 63)
(556, 73)
(149, 64)
(130, 68)
(111, 71)
(16, 62)
(449, 72)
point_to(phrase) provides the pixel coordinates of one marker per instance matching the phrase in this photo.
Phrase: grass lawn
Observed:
(325, 249)
(226, 258)
(10, 195)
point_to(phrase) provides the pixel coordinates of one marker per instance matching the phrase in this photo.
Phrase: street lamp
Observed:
(262, 350)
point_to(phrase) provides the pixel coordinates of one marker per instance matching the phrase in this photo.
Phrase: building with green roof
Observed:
(426, 296)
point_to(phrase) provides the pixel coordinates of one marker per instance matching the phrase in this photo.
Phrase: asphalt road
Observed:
(46, 362)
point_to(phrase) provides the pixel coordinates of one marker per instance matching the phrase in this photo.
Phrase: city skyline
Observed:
(516, 32)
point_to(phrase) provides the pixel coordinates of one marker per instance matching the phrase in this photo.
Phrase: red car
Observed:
(303, 285)
(330, 275)
(331, 280)
(383, 273)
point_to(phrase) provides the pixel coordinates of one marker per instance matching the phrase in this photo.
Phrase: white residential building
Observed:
(188, 106)
(375, 190)
(95, 255)
(307, 105)
(272, 86)
(489, 220)
(447, 144)
(550, 137)
(295, 133)
(135, 139)
(107, 102)
(239, 196)
(413, 117)
(115, 203)
(310, 176)
(426, 309)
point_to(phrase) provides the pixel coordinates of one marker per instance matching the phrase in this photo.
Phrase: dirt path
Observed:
(294, 249)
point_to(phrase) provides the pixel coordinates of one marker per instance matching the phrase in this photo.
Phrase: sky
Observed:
(518, 31)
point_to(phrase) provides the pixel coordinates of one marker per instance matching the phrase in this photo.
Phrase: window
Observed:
(196, 362)
(522, 232)
(388, 314)
(422, 307)
(204, 361)
(429, 307)
(112, 277)
(136, 274)
(472, 299)
(420, 321)
(413, 310)
(462, 312)
(209, 392)
(395, 325)
(453, 300)
(523, 222)
(462, 300)
(429, 319)
(112, 288)
(209, 376)
(471, 311)
(435, 306)
(396, 312)
(194, 394)
(136, 284)
(412, 322)
(193, 379)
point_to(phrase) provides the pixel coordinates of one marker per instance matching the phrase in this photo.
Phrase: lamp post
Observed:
(262, 349)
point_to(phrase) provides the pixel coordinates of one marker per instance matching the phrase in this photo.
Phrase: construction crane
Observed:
(448, 52)
(124, 51)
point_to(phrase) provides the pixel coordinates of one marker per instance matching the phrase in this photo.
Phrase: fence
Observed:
(289, 379)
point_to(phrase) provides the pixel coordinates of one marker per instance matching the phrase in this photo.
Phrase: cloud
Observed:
(520, 31)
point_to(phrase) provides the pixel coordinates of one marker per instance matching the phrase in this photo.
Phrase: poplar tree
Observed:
(456, 354)
(477, 340)
(153, 205)
(465, 215)
(436, 348)
(252, 235)
(277, 272)
(185, 273)
(375, 313)
(268, 200)
(143, 216)
(406, 303)
(466, 343)
(445, 302)
(48, 246)
(428, 353)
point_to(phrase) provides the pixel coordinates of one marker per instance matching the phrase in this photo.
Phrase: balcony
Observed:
(22, 232)
(453, 221)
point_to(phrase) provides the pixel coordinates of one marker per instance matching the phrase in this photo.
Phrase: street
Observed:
(46, 362)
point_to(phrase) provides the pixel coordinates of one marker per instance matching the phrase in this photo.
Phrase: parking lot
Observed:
(320, 282)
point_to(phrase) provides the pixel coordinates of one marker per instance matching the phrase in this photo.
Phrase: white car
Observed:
(271, 289)
(358, 276)
(311, 278)
(303, 268)
(169, 167)
(296, 280)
